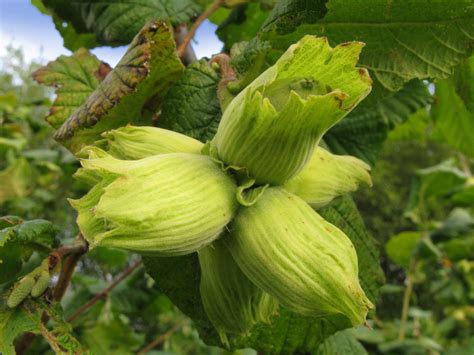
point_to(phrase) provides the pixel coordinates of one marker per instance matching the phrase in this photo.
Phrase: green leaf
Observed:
(454, 108)
(27, 318)
(9, 221)
(112, 337)
(178, 278)
(131, 92)
(18, 241)
(290, 333)
(111, 260)
(405, 40)
(420, 345)
(341, 343)
(58, 333)
(397, 108)
(414, 128)
(249, 59)
(73, 40)
(441, 179)
(373, 336)
(13, 323)
(361, 134)
(16, 180)
(192, 106)
(460, 349)
(287, 15)
(465, 195)
(458, 223)
(458, 249)
(434, 182)
(110, 22)
(401, 247)
(36, 232)
(242, 24)
(364, 130)
(75, 77)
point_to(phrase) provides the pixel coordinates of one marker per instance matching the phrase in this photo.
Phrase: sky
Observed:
(22, 25)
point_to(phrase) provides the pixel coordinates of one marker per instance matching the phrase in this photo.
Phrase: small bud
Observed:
(215, 66)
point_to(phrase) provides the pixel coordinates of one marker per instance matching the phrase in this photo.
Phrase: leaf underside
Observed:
(92, 23)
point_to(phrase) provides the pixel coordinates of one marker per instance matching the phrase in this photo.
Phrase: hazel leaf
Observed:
(75, 77)
(131, 92)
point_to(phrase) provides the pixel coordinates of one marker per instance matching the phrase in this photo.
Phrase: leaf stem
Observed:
(406, 299)
(227, 75)
(161, 339)
(104, 292)
(216, 4)
(189, 56)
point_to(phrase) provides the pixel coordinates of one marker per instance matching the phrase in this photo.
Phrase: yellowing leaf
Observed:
(75, 78)
(131, 92)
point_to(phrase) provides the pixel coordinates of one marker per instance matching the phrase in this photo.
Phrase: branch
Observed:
(104, 292)
(72, 253)
(161, 339)
(65, 276)
(208, 12)
(180, 33)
